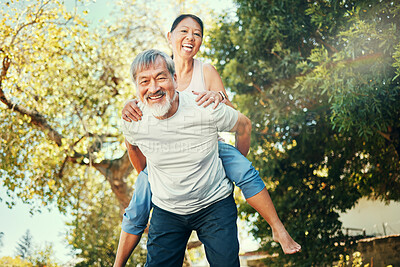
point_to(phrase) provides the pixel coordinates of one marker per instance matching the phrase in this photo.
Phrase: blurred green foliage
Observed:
(320, 82)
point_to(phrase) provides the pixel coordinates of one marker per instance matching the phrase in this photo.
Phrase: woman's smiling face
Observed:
(186, 38)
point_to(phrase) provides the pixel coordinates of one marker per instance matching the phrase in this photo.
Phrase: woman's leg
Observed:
(240, 171)
(262, 203)
(136, 215)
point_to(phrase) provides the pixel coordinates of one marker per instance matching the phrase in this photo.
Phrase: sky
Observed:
(47, 227)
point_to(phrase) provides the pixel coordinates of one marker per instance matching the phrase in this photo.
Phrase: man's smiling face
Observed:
(157, 88)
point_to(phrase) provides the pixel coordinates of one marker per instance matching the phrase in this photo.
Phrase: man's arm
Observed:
(127, 243)
(242, 128)
(136, 157)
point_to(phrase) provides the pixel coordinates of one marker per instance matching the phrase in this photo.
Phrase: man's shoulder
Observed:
(134, 126)
(190, 105)
(129, 126)
(187, 96)
(188, 99)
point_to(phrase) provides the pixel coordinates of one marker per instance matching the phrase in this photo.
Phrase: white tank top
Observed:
(197, 83)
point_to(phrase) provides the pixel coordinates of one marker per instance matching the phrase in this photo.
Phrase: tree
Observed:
(24, 247)
(94, 231)
(17, 261)
(319, 80)
(62, 85)
(43, 257)
(29, 254)
(59, 87)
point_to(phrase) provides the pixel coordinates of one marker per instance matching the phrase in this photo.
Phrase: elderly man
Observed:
(189, 186)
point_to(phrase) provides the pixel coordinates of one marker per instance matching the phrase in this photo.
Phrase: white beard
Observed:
(161, 109)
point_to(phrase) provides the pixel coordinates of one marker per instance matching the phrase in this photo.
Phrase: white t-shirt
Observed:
(185, 172)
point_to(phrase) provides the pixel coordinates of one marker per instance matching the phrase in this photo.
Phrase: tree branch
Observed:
(60, 172)
(6, 66)
(320, 40)
(35, 20)
(257, 87)
(385, 135)
(36, 118)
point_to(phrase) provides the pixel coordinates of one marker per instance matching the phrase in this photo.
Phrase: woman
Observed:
(185, 38)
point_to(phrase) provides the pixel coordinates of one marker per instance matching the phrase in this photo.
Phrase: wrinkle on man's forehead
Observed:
(157, 63)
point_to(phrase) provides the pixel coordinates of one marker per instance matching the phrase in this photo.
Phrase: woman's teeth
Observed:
(187, 47)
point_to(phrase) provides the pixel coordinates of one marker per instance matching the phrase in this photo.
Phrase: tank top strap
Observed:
(197, 83)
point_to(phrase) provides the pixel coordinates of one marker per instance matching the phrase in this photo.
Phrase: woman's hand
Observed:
(131, 111)
(207, 98)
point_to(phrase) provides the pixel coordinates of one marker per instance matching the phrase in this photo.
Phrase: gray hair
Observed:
(148, 58)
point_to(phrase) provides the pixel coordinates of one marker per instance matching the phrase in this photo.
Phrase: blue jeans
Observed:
(237, 168)
(215, 226)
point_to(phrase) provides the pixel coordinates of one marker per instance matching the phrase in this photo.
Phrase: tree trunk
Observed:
(116, 172)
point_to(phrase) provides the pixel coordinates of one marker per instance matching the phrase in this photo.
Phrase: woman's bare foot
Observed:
(289, 246)
(262, 203)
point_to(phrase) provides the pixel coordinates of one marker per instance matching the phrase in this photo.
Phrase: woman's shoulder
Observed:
(210, 72)
(209, 69)
(212, 78)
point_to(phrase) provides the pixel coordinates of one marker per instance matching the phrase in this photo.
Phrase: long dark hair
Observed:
(184, 16)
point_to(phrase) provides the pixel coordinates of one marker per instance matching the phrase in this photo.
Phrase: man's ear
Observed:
(175, 81)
